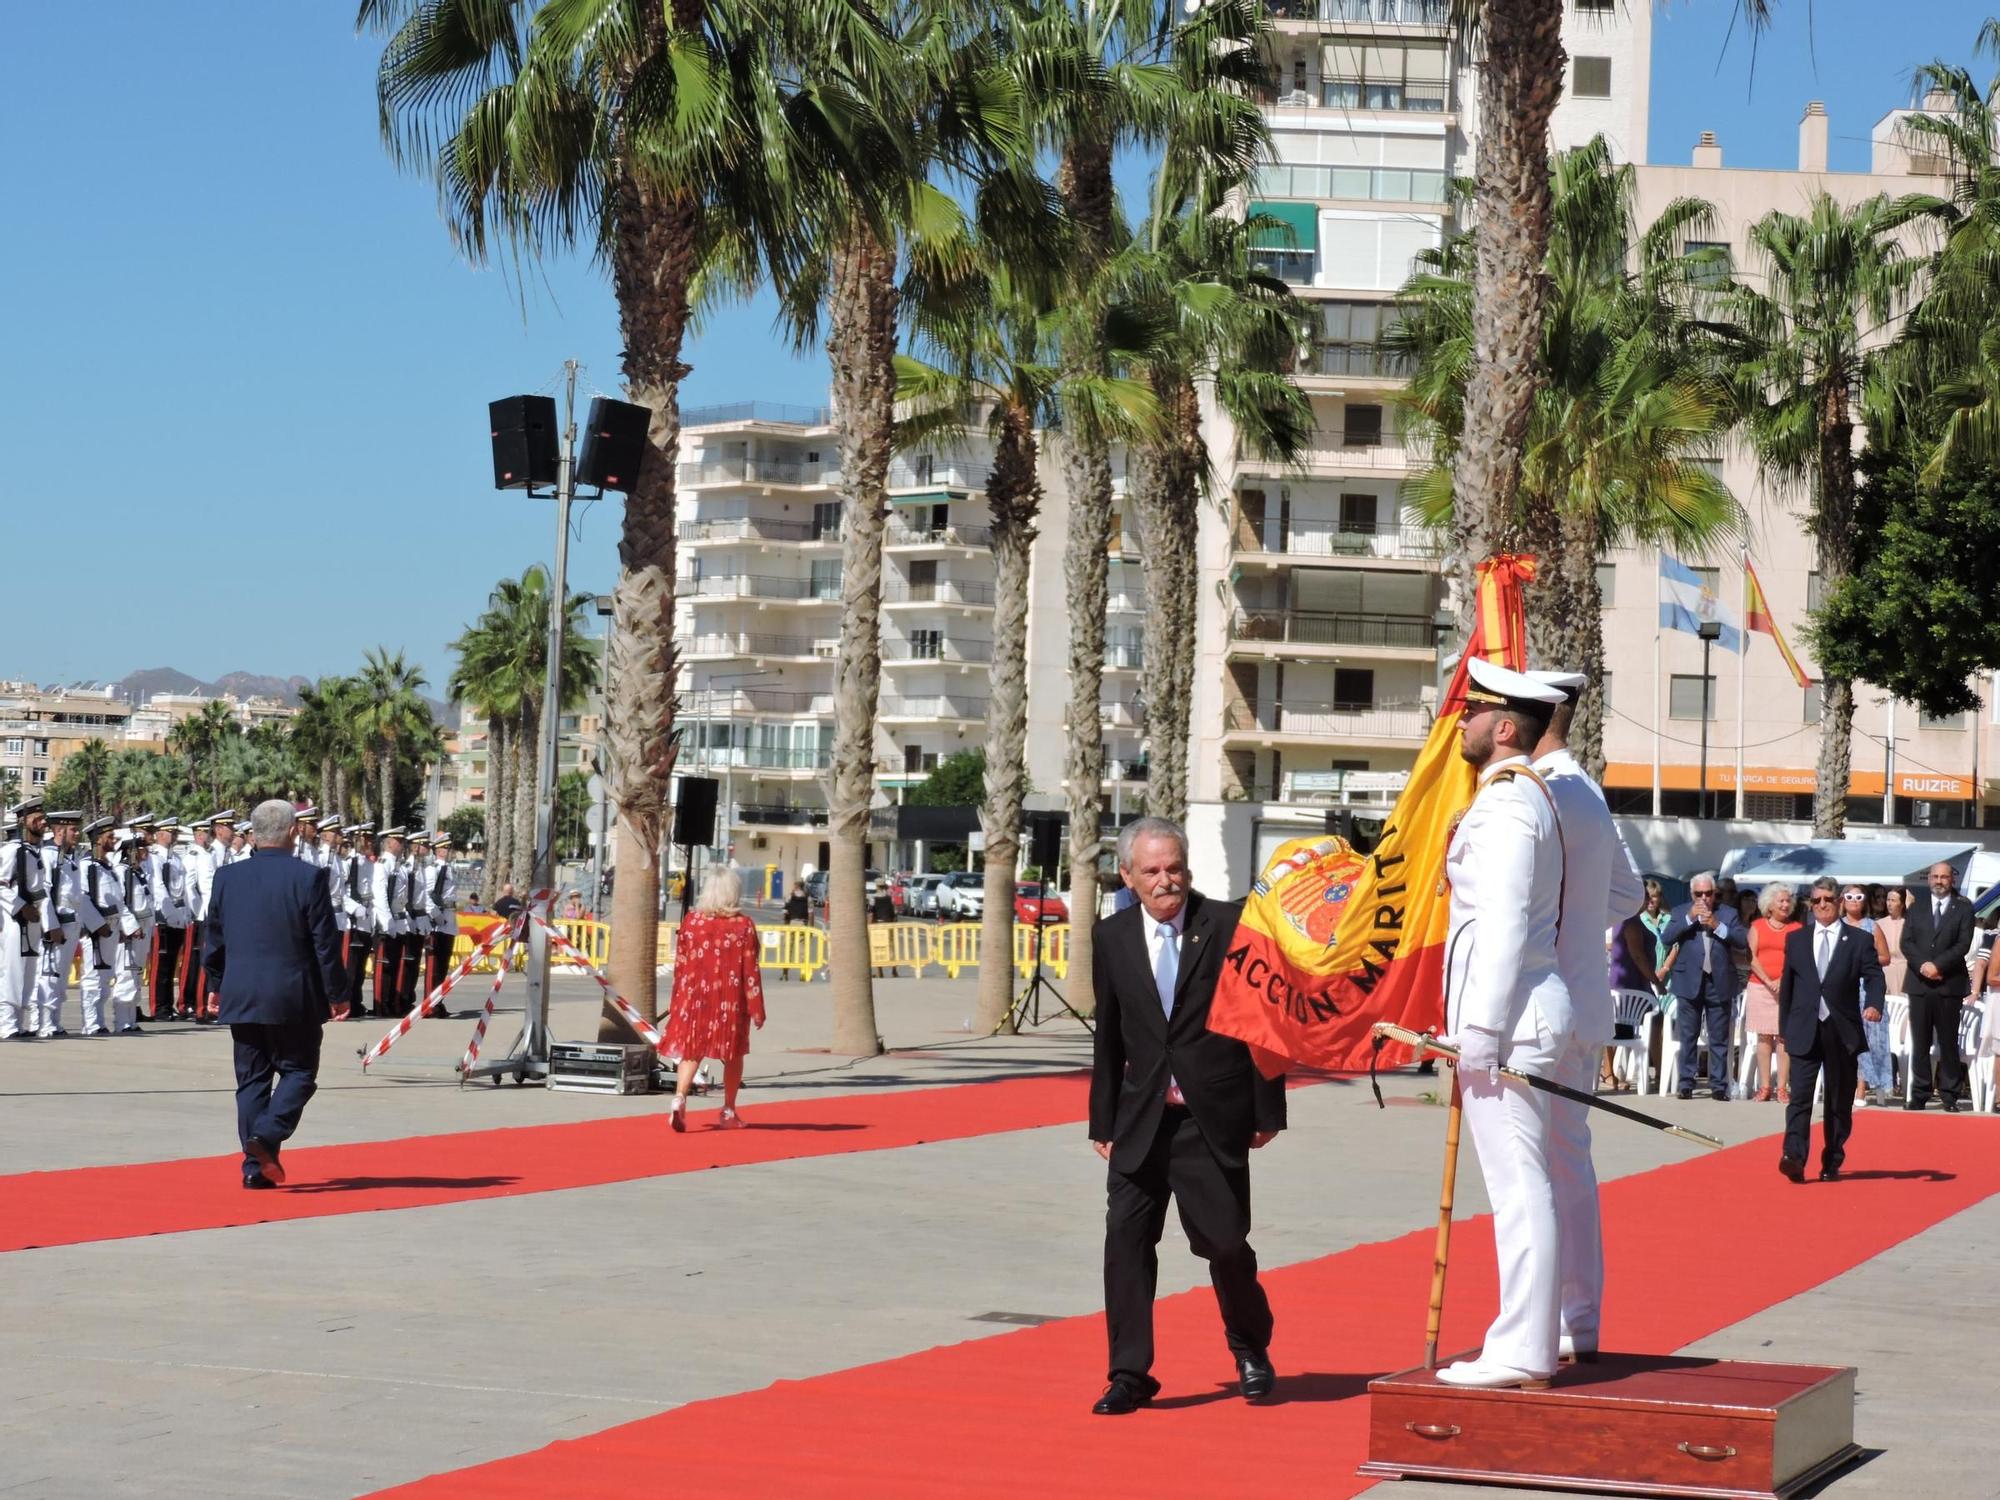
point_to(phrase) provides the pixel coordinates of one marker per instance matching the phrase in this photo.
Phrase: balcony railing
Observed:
(1124, 770)
(755, 643)
(902, 535)
(754, 529)
(757, 411)
(759, 586)
(755, 471)
(940, 706)
(1293, 267)
(1423, 97)
(1303, 628)
(1129, 658)
(1123, 603)
(938, 650)
(1381, 184)
(1336, 452)
(1120, 713)
(1361, 360)
(1329, 539)
(1369, 12)
(937, 473)
(770, 815)
(755, 758)
(700, 703)
(943, 591)
(1397, 721)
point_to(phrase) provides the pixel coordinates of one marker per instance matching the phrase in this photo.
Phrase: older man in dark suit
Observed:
(1175, 1110)
(1831, 979)
(273, 956)
(1937, 934)
(1701, 976)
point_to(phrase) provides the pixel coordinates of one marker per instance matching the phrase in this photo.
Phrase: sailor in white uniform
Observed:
(135, 933)
(24, 913)
(442, 889)
(168, 873)
(1506, 1005)
(1601, 888)
(103, 885)
(64, 873)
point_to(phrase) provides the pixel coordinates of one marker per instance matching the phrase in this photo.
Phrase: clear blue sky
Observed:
(245, 373)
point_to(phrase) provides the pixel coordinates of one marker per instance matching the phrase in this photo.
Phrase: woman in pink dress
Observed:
(718, 994)
(1760, 995)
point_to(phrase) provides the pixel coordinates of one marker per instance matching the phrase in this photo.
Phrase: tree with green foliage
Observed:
(466, 824)
(958, 781)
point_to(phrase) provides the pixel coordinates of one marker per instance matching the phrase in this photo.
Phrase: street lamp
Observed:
(1710, 632)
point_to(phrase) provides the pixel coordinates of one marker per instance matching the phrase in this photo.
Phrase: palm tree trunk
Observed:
(386, 765)
(527, 794)
(340, 793)
(861, 345)
(1518, 89)
(1013, 496)
(1578, 644)
(1834, 524)
(327, 806)
(1166, 480)
(495, 807)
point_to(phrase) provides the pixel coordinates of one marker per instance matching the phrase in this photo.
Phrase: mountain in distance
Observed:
(136, 687)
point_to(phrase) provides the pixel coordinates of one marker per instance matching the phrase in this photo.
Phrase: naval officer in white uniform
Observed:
(1507, 1005)
(1601, 889)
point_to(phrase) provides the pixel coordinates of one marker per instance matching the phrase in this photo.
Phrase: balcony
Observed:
(1358, 362)
(775, 413)
(1304, 628)
(754, 529)
(783, 471)
(1341, 454)
(940, 708)
(1435, 13)
(1124, 658)
(915, 474)
(948, 591)
(949, 652)
(772, 815)
(755, 758)
(732, 645)
(1328, 539)
(759, 586)
(903, 536)
(1374, 789)
(1421, 185)
(725, 703)
(1124, 602)
(1307, 721)
(1121, 713)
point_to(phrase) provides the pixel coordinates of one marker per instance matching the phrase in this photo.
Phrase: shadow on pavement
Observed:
(1311, 1386)
(377, 1184)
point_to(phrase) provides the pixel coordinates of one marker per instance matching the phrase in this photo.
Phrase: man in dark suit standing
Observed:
(1702, 979)
(1937, 934)
(1176, 1110)
(273, 956)
(1831, 978)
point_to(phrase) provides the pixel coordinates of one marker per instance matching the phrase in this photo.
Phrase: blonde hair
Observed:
(721, 891)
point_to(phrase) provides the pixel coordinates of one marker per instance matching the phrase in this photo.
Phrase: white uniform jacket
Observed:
(1505, 866)
(329, 860)
(1601, 889)
(104, 893)
(200, 881)
(443, 894)
(391, 919)
(135, 893)
(170, 887)
(417, 896)
(354, 892)
(23, 881)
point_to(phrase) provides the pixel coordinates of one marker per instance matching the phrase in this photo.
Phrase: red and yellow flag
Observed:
(1757, 616)
(1333, 941)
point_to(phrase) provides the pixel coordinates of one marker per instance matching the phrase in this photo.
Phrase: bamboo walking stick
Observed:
(1435, 1318)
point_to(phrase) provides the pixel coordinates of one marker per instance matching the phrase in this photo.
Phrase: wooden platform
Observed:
(1629, 1424)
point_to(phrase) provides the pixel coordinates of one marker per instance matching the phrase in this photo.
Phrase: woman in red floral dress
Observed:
(718, 994)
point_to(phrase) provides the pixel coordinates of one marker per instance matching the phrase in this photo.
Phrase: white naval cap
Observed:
(1569, 684)
(1492, 683)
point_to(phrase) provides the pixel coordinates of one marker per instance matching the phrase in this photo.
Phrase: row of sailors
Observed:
(133, 901)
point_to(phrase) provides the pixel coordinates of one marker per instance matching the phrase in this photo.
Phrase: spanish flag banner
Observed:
(1757, 616)
(1333, 941)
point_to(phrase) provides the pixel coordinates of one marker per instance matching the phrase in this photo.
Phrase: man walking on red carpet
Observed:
(1832, 980)
(1175, 1109)
(272, 955)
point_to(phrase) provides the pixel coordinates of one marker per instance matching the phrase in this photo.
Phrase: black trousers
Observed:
(194, 991)
(359, 946)
(1214, 1203)
(439, 945)
(166, 969)
(1934, 1018)
(287, 1054)
(1830, 1053)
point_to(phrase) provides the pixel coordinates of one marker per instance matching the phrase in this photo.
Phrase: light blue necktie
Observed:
(1825, 949)
(1166, 966)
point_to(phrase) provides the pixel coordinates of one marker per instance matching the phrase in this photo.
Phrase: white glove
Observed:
(1478, 1052)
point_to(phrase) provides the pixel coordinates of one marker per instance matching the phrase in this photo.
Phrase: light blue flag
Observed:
(1685, 601)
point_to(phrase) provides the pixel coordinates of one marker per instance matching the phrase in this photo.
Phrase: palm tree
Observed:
(393, 717)
(1633, 402)
(1825, 283)
(322, 734)
(201, 738)
(90, 766)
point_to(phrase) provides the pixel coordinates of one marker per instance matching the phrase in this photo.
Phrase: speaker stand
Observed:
(1027, 1008)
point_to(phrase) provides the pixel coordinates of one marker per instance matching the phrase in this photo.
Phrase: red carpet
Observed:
(1007, 1416)
(123, 1202)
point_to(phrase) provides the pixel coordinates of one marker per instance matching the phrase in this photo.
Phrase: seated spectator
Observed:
(1634, 966)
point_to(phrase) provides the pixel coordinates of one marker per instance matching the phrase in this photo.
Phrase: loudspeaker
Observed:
(525, 447)
(1363, 831)
(1045, 842)
(614, 444)
(694, 811)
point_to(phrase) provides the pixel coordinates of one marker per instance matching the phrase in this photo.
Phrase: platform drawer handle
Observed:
(1706, 1453)
(1437, 1430)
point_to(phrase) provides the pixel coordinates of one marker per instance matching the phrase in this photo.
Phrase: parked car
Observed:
(962, 896)
(816, 888)
(1033, 906)
(923, 897)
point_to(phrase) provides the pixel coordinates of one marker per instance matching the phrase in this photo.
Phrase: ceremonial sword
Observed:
(1389, 1031)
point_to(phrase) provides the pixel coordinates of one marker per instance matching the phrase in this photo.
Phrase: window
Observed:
(926, 645)
(917, 761)
(826, 520)
(1353, 687)
(1815, 591)
(14, 746)
(1607, 585)
(1357, 513)
(1947, 721)
(1604, 691)
(923, 579)
(40, 776)
(42, 748)
(1383, 75)
(1350, 335)
(825, 578)
(1599, 8)
(1813, 704)
(1592, 78)
(1364, 427)
(1714, 262)
(1774, 807)
(1684, 696)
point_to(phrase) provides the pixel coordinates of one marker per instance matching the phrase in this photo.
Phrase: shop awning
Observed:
(1300, 221)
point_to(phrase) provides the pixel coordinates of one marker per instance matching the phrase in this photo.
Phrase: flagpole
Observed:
(1659, 687)
(1742, 673)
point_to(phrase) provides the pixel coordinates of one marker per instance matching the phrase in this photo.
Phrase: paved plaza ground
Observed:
(340, 1355)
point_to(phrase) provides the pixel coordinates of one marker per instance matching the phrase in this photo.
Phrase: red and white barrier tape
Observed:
(486, 1014)
(395, 1033)
(637, 1022)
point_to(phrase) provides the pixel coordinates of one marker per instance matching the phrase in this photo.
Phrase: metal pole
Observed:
(1701, 804)
(1889, 767)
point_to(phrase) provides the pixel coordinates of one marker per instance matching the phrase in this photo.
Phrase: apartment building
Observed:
(1322, 600)
(153, 720)
(40, 730)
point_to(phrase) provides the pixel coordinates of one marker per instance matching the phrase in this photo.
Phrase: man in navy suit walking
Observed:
(1832, 977)
(273, 956)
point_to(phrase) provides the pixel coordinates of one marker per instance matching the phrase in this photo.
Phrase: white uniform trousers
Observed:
(1510, 1128)
(97, 981)
(52, 983)
(128, 981)
(18, 972)
(1575, 1180)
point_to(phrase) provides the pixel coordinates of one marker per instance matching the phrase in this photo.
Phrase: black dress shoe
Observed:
(1917, 1103)
(266, 1156)
(1121, 1398)
(1829, 1174)
(1259, 1379)
(255, 1181)
(1722, 1094)
(1793, 1168)
(1685, 1094)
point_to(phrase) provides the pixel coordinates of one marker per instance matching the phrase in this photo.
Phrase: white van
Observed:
(1863, 861)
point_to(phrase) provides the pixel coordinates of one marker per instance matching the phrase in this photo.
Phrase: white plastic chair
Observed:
(1979, 1070)
(1667, 1018)
(1632, 1008)
(1896, 1011)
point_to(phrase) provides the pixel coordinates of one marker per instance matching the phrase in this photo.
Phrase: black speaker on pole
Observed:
(526, 447)
(1045, 842)
(614, 444)
(694, 811)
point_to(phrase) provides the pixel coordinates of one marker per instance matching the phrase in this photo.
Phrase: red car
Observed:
(1032, 907)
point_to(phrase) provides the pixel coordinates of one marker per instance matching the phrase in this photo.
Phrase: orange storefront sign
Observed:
(1924, 785)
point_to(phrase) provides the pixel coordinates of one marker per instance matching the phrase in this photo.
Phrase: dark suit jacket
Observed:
(1684, 976)
(272, 952)
(1853, 983)
(1137, 1048)
(1929, 941)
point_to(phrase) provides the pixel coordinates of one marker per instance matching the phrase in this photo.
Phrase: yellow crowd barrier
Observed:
(1055, 949)
(957, 946)
(901, 945)
(592, 939)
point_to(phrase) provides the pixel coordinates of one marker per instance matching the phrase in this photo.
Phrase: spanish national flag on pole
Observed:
(1332, 941)
(1757, 616)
